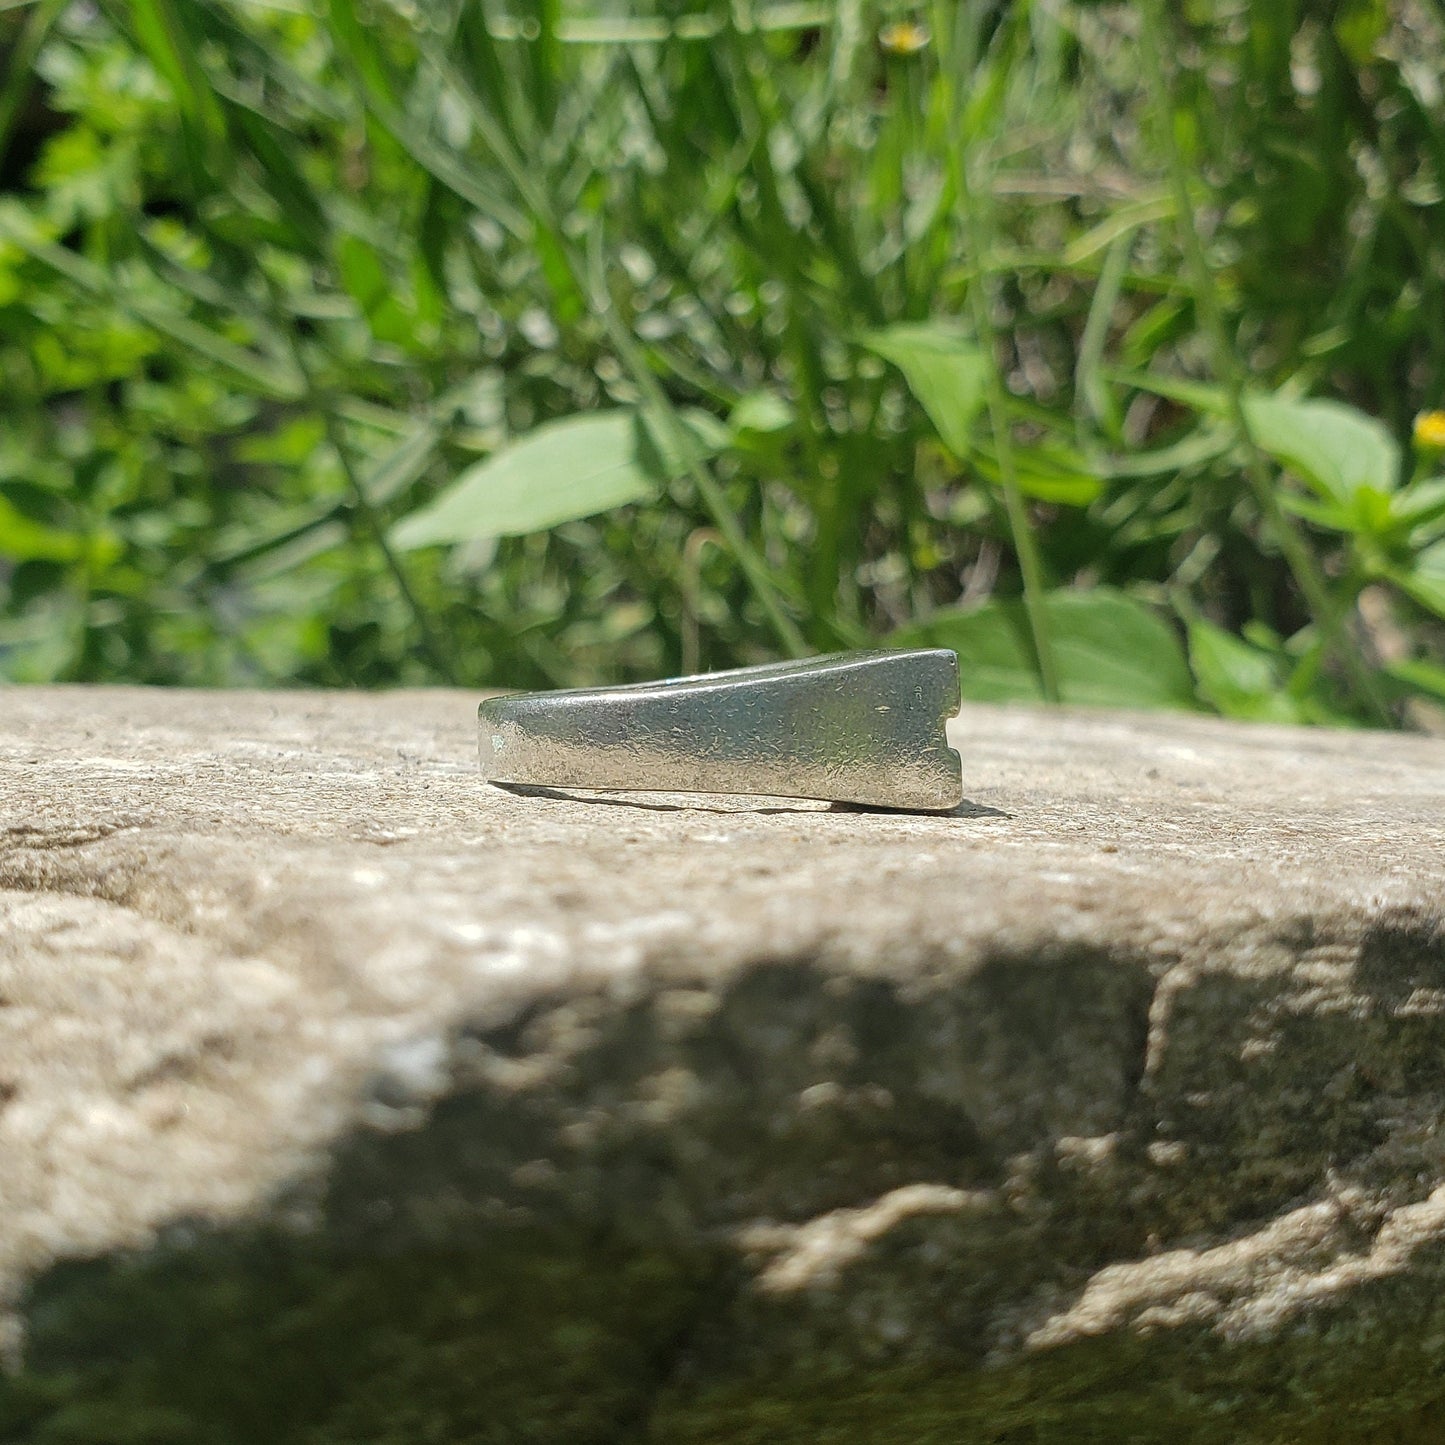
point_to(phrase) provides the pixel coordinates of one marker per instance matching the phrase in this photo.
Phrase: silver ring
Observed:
(855, 727)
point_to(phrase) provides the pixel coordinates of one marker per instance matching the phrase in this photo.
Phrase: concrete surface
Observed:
(345, 1098)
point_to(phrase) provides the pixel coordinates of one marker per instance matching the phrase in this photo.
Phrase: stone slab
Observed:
(344, 1097)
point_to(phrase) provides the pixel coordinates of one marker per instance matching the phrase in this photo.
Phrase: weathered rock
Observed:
(344, 1098)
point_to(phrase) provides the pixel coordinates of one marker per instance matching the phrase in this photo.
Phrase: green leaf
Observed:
(22, 540)
(1419, 676)
(1196, 394)
(1424, 579)
(1359, 27)
(1194, 451)
(402, 463)
(1371, 513)
(1110, 651)
(1049, 476)
(1054, 475)
(1329, 515)
(1420, 505)
(271, 148)
(663, 448)
(1334, 448)
(21, 53)
(260, 372)
(761, 411)
(363, 273)
(560, 471)
(1237, 678)
(945, 371)
(160, 28)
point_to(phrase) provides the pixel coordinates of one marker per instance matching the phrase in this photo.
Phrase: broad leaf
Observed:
(1237, 678)
(1333, 447)
(560, 471)
(945, 371)
(1109, 651)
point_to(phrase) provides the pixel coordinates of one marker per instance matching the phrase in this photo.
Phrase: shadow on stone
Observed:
(966, 809)
(617, 800)
(558, 1248)
(532, 1262)
(242, 1337)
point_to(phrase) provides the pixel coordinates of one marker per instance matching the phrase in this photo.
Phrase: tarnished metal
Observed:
(856, 727)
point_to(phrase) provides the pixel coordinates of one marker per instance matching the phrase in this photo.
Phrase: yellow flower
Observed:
(903, 37)
(1430, 431)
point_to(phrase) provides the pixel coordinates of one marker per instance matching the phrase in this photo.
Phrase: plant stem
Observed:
(1294, 546)
(323, 406)
(680, 441)
(692, 595)
(971, 212)
(440, 656)
(779, 239)
(629, 352)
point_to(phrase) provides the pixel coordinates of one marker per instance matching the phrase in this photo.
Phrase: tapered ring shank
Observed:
(859, 727)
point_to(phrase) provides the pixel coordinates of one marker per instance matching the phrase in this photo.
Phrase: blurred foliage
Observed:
(539, 343)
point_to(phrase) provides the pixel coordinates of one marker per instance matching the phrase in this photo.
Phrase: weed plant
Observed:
(412, 341)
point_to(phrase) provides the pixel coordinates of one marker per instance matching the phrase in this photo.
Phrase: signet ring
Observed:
(853, 727)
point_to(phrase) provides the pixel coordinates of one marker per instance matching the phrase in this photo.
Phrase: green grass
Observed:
(988, 323)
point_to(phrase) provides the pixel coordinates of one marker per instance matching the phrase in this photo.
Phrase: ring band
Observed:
(854, 727)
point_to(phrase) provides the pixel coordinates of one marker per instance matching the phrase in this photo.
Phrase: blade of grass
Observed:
(971, 212)
(590, 281)
(360, 56)
(1093, 400)
(679, 439)
(164, 30)
(323, 406)
(1299, 556)
(781, 242)
(260, 374)
(645, 30)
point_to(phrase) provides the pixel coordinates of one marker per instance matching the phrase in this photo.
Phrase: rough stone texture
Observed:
(344, 1098)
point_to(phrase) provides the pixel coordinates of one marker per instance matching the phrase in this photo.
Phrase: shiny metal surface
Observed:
(857, 727)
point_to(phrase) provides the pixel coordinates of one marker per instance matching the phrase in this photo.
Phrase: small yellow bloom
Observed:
(903, 37)
(1430, 431)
